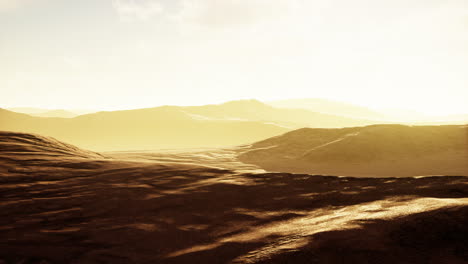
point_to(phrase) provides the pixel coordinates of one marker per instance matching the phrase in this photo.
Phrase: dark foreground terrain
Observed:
(61, 204)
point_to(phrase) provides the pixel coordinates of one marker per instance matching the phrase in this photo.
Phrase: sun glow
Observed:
(126, 54)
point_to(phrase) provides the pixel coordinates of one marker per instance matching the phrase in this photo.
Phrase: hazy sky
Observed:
(140, 53)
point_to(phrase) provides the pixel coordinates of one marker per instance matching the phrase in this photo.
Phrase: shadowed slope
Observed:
(13, 143)
(29, 155)
(379, 150)
(120, 210)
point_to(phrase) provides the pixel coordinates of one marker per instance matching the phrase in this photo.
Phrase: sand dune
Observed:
(18, 143)
(229, 124)
(379, 150)
(61, 204)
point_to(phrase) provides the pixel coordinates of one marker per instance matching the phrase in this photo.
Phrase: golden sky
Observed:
(120, 54)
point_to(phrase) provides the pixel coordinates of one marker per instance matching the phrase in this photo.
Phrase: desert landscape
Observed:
(63, 204)
(233, 132)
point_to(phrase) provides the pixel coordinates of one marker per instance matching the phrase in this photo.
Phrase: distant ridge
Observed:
(41, 112)
(330, 107)
(57, 113)
(228, 124)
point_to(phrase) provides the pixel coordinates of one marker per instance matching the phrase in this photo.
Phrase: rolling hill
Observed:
(229, 124)
(140, 129)
(377, 150)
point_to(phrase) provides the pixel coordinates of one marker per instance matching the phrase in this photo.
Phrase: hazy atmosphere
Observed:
(233, 131)
(126, 54)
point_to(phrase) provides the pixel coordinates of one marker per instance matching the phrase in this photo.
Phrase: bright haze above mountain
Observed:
(127, 54)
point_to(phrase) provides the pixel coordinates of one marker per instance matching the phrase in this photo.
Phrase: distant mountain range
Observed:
(377, 150)
(228, 124)
(42, 112)
(232, 123)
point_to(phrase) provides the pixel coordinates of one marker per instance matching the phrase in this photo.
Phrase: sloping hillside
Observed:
(60, 204)
(29, 155)
(18, 143)
(379, 150)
